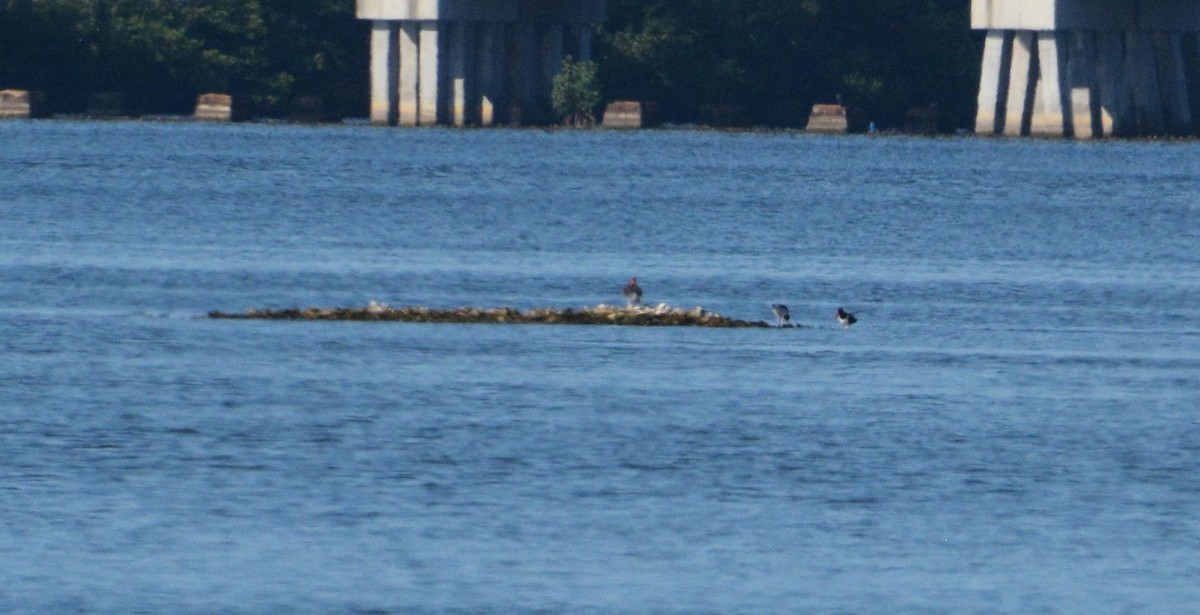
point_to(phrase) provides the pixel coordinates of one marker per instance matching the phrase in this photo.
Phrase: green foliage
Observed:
(767, 61)
(162, 53)
(576, 92)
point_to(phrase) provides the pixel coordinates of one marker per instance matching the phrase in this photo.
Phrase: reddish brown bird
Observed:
(632, 292)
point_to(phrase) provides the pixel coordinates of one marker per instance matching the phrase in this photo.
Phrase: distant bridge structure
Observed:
(1064, 68)
(1089, 68)
(472, 62)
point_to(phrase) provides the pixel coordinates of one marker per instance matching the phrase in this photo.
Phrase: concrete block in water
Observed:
(22, 104)
(828, 119)
(630, 114)
(214, 107)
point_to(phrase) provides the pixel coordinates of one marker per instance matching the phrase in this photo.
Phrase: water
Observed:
(1011, 427)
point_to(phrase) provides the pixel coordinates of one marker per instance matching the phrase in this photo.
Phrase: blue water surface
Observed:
(1011, 427)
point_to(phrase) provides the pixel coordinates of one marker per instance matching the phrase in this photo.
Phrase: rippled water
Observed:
(1012, 426)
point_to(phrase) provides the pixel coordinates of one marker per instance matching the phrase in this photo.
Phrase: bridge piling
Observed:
(993, 91)
(408, 56)
(491, 73)
(1088, 68)
(471, 62)
(383, 66)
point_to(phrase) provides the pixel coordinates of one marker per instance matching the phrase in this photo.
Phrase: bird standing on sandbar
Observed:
(632, 292)
(845, 318)
(782, 314)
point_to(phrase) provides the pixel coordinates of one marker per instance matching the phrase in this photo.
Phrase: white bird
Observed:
(782, 314)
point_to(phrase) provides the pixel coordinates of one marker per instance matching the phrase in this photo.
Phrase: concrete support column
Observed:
(1190, 49)
(1022, 83)
(1190, 46)
(551, 36)
(1173, 81)
(430, 91)
(1147, 97)
(383, 72)
(1116, 97)
(523, 74)
(1052, 108)
(1090, 68)
(410, 61)
(491, 71)
(1083, 97)
(462, 75)
(993, 82)
(585, 44)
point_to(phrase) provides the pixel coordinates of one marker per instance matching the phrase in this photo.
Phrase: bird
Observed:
(782, 314)
(845, 318)
(632, 292)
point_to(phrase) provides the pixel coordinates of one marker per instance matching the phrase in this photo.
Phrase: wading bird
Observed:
(632, 292)
(782, 314)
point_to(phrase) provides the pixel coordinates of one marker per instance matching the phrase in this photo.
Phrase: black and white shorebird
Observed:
(782, 314)
(632, 292)
(845, 318)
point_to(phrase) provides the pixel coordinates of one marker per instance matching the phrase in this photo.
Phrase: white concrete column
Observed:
(1116, 98)
(1190, 45)
(430, 93)
(551, 36)
(585, 44)
(1052, 109)
(1021, 84)
(471, 110)
(491, 73)
(456, 70)
(1083, 96)
(410, 62)
(1173, 80)
(524, 73)
(993, 82)
(383, 72)
(1147, 98)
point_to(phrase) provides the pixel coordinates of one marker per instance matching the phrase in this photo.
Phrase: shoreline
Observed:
(359, 122)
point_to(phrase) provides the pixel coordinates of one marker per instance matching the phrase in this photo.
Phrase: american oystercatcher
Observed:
(782, 314)
(632, 292)
(845, 318)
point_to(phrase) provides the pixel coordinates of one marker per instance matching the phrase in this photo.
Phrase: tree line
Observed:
(162, 53)
(760, 62)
